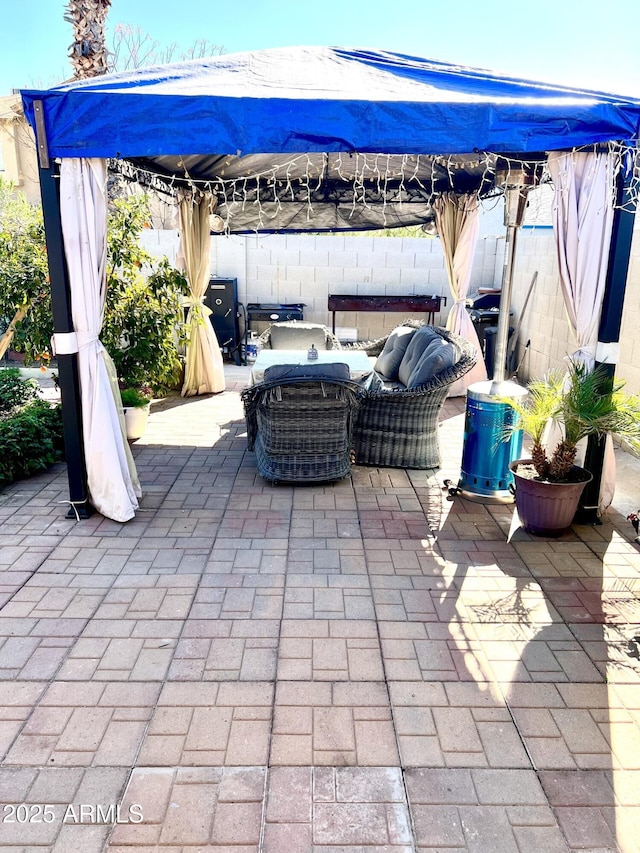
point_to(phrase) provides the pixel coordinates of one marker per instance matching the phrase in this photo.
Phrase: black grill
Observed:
(274, 313)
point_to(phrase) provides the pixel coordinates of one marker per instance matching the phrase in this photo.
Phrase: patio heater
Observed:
(485, 474)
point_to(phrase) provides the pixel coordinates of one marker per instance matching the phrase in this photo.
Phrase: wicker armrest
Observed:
(399, 427)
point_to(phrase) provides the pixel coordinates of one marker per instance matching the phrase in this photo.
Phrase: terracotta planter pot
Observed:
(547, 509)
(135, 419)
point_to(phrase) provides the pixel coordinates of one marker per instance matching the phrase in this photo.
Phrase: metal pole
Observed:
(514, 203)
(68, 378)
(609, 333)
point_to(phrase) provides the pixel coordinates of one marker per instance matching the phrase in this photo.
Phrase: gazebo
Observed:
(321, 139)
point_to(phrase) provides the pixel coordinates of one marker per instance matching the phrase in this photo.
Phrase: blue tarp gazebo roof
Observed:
(324, 138)
(323, 99)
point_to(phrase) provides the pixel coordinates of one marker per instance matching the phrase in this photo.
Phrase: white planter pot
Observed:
(135, 418)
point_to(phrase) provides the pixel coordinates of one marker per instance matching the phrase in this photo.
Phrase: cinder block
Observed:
(333, 276)
(316, 290)
(414, 280)
(265, 272)
(366, 259)
(300, 274)
(383, 276)
(437, 278)
(258, 256)
(288, 258)
(433, 261)
(399, 260)
(414, 245)
(330, 242)
(301, 242)
(275, 242)
(314, 257)
(343, 259)
(398, 288)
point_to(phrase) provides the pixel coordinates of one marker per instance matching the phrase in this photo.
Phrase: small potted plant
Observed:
(549, 485)
(136, 404)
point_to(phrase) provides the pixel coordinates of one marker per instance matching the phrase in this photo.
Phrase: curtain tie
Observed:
(87, 339)
(585, 355)
(74, 506)
(69, 343)
(197, 308)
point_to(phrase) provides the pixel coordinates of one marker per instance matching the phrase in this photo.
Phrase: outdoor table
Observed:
(360, 367)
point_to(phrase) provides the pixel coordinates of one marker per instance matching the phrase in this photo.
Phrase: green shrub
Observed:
(15, 391)
(24, 276)
(31, 437)
(143, 317)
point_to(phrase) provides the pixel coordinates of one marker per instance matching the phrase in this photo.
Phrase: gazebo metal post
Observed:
(609, 333)
(68, 378)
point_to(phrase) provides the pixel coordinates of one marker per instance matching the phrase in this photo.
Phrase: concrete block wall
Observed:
(629, 364)
(307, 268)
(545, 323)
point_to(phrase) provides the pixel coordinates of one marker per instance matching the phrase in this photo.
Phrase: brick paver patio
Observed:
(366, 666)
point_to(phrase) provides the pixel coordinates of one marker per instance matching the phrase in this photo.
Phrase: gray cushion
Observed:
(417, 345)
(321, 372)
(395, 347)
(299, 336)
(438, 356)
(328, 372)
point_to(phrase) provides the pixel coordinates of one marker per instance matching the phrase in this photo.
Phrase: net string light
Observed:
(366, 181)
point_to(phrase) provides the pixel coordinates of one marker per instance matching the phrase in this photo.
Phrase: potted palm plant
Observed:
(548, 486)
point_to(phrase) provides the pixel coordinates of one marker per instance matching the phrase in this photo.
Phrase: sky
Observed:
(586, 43)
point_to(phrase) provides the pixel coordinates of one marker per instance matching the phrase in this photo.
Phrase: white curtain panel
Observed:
(457, 223)
(582, 224)
(204, 371)
(113, 483)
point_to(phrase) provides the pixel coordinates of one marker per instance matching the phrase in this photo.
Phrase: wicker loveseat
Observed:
(299, 422)
(397, 422)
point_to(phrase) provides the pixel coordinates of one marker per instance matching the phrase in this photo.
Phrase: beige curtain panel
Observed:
(204, 372)
(457, 223)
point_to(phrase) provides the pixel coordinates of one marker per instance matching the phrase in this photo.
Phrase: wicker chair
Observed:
(399, 428)
(296, 334)
(299, 423)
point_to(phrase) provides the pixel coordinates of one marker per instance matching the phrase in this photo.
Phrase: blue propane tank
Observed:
(486, 455)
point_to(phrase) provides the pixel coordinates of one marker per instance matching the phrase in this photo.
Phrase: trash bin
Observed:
(483, 319)
(489, 349)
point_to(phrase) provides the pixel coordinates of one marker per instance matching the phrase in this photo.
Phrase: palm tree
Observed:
(88, 53)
